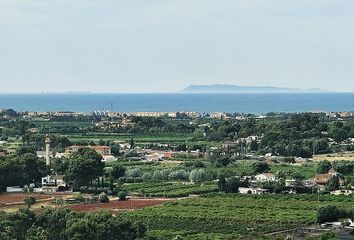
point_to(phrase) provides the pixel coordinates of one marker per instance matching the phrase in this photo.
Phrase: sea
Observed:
(255, 103)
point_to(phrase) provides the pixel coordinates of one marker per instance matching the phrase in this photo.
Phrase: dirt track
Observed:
(116, 205)
(17, 198)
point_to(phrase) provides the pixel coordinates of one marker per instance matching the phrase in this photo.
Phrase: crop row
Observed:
(236, 214)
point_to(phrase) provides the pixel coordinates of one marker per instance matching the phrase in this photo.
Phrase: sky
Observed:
(164, 46)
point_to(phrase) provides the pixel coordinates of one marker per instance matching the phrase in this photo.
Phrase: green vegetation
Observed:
(196, 156)
(62, 224)
(169, 190)
(233, 216)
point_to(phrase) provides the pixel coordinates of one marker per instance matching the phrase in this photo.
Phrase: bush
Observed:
(134, 173)
(103, 198)
(147, 176)
(331, 213)
(178, 175)
(79, 198)
(122, 196)
(30, 201)
(200, 175)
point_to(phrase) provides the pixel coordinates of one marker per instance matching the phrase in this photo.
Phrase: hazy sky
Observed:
(163, 45)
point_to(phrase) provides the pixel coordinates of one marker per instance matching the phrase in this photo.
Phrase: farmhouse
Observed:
(265, 177)
(53, 183)
(342, 192)
(243, 190)
(108, 158)
(154, 157)
(323, 179)
(102, 150)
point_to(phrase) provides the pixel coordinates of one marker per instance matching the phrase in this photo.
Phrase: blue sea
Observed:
(256, 103)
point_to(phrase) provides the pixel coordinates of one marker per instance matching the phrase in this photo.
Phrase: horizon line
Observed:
(177, 92)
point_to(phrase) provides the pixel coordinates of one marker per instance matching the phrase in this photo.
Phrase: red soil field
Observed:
(118, 205)
(12, 198)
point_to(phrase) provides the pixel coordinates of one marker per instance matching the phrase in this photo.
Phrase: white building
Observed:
(108, 158)
(243, 190)
(265, 177)
(154, 157)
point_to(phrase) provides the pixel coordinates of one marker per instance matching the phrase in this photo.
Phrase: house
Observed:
(290, 183)
(102, 150)
(124, 145)
(59, 155)
(42, 154)
(344, 224)
(154, 157)
(243, 190)
(323, 179)
(168, 155)
(265, 177)
(108, 158)
(309, 183)
(53, 183)
(342, 192)
(306, 183)
(218, 115)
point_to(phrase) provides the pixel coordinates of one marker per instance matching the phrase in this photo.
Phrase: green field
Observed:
(234, 216)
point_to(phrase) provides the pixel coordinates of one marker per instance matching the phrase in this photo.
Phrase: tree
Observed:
(232, 185)
(29, 201)
(339, 135)
(36, 233)
(62, 224)
(21, 168)
(59, 165)
(132, 143)
(222, 184)
(117, 171)
(134, 173)
(323, 166)
(84, 166)
(328, 213)
(298, 177)
(221, 161)
(260, 167)
(201, 175)
(333, 184)
(122, 195)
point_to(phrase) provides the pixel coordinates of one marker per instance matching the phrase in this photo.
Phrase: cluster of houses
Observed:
(110, 113)
(320, 181)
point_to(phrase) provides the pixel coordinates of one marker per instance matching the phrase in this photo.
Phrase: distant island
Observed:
(228, 88)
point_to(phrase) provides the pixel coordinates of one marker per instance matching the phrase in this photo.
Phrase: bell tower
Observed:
(47, 150)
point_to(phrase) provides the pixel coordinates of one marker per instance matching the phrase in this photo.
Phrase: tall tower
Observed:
(47, 150)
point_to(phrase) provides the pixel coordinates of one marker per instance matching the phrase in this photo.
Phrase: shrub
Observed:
(122, 196)
(30, 201)
(178, 175)
(134, 173)
(103, 198)
(146, 176)
(330, 213)
(200, 175)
